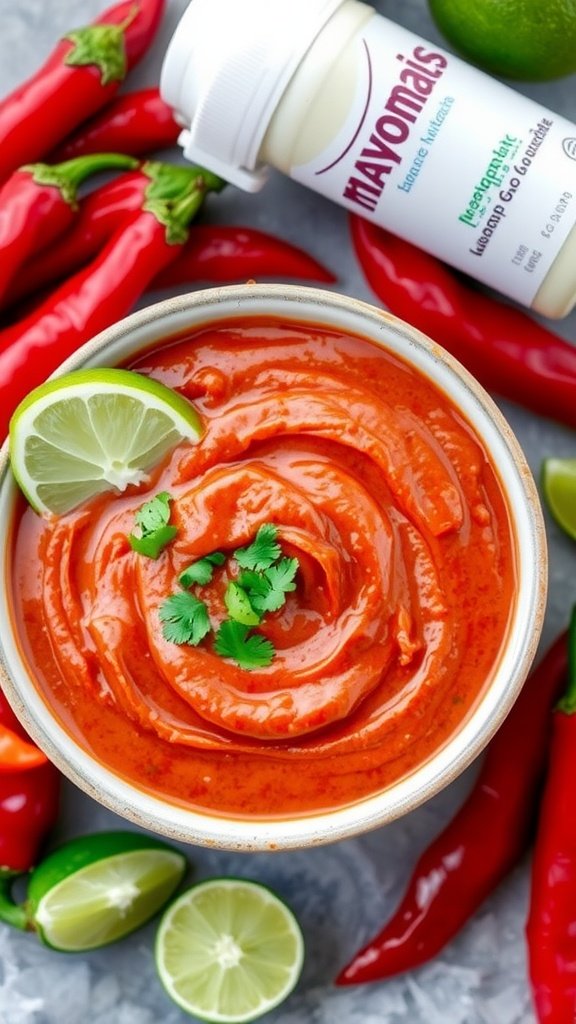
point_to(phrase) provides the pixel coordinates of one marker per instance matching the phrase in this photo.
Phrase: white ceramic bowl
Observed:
(173, 316)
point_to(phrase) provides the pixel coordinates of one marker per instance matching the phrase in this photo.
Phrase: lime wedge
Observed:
(92, 431)
(559, 487)
(229, 950)
(98, 888)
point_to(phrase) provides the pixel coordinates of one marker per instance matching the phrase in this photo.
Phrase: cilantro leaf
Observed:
(154, 514)
(184, 619)
(262, 552)
(253, 582)
(153, 517)
(249, 650)
(201, 571)
(267, 591)
(281, 576)
(238, 604)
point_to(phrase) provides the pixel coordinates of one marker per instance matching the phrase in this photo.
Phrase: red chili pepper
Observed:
(105, 290)
(223, 254)
(39, 202)
(481, 844)
(505, 349)
(81, 75)
(99, 216)
(136, 123)
(551, 927)
(213, 252)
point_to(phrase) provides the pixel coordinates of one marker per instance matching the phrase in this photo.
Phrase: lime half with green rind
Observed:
(229, 950)
(95, 889)
(92, 431)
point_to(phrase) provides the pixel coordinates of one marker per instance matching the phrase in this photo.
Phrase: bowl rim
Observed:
(166, 319)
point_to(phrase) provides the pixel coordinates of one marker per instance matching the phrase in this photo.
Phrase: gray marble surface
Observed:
(342, 892)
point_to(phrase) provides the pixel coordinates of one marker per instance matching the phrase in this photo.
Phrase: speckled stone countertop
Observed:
(343, 892)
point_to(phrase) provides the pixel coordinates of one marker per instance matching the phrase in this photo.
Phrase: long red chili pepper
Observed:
(38, 203)
(505, 349)
(481, 844)
(105, 290)
(82, 74)
(99, 216)
(220, 253)
(212, 253)
(136, 123)
(551, 926)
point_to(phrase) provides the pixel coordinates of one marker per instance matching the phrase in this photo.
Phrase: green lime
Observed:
(523, 39)
(98, 888)
(92, 431)
(229, 950)
(559, 487)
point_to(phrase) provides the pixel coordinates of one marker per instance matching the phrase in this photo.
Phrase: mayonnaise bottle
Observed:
(388, 126)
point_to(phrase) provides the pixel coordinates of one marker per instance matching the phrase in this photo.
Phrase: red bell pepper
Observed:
(16, 752)
(82, 74)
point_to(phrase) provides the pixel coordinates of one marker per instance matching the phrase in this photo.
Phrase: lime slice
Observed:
(92, 431)
(98, 888)
(559, 487)
(229, 950)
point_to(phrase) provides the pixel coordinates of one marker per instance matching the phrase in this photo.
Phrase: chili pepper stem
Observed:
(12, 913)
(68, 176)
(567, 703)
(174, 199)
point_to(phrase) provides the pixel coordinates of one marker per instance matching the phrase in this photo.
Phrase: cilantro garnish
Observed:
(250, 650)
(153, 518)
(278, 580)
(185, 619)
(201, 571)
(262, 552)
(265, 580)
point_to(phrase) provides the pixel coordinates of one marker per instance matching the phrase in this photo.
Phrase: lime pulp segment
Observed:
(229, 951)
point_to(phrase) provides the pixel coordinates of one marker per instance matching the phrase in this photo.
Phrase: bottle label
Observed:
(453, 161)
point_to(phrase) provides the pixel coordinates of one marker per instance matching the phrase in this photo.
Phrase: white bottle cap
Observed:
(225, 71)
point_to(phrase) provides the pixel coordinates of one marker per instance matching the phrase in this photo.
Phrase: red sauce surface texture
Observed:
(406, 582)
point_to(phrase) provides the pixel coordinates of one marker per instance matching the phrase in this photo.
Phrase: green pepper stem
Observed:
(12, 913)
(175, 195)
(567, 703)
(68, 176)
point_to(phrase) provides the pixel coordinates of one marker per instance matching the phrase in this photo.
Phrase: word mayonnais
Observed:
(383, 154)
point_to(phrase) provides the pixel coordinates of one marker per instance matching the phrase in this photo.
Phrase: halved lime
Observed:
(98, 888)
(92, 431)
(229, 950)
(559, 487)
